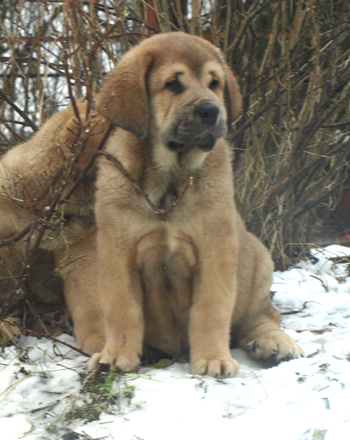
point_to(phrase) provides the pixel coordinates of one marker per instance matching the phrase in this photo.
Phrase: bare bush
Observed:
(291, 143)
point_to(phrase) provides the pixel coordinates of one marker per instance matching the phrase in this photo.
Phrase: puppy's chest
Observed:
(168, 197)
(166, 264)
(167, 247)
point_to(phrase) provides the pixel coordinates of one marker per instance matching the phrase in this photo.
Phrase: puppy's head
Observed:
(175, 87)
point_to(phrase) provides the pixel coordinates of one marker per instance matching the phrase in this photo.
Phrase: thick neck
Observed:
(165, 173)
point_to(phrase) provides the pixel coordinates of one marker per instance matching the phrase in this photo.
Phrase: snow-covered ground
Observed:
(42, 396)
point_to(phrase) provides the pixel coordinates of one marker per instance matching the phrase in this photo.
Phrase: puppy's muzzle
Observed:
(201, 128)
(207, 113)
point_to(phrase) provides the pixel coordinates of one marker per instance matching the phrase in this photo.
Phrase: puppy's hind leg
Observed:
(263, 338)
(259, 331)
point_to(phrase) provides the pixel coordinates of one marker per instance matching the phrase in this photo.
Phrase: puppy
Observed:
(184, 275)
(32, 176)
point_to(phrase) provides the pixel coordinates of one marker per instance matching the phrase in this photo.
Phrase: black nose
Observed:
(207, 113)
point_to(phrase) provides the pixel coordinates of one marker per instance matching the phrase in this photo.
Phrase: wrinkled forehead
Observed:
(183, 69)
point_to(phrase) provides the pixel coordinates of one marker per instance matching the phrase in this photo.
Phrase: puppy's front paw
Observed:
(122, 360)
(224, 367)
(92, 344)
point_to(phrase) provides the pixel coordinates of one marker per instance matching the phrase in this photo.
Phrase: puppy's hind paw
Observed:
(274, 347)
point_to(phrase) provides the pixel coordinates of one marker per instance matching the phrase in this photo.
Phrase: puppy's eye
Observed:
(174, 86)
(214, 84)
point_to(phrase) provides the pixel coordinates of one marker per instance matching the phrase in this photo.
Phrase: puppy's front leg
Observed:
(211, 313)
(121, 300)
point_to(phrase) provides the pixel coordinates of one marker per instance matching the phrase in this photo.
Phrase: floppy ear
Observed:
(123, 98)
(233, 97)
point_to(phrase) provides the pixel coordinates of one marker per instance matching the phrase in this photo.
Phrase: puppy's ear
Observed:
(123, 98)
(233, 97)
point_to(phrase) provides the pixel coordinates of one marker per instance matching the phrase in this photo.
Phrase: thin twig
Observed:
(90, 163)
(42, 335)
(19, 111)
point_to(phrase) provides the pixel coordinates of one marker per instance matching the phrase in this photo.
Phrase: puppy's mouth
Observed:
(205, 142)
(176, 147)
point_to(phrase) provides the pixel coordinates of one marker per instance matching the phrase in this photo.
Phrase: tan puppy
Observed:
(31, 174)
(184, 281)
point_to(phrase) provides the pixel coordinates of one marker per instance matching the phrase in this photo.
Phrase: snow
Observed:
(303, 399)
